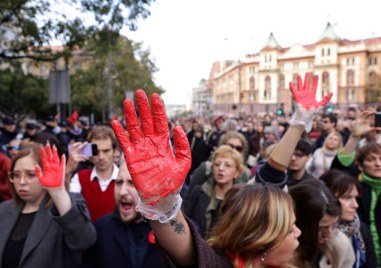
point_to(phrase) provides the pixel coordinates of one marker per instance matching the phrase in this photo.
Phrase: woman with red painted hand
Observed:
(43, 226)
(256, 228)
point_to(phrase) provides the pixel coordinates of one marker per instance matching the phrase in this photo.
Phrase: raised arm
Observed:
(74, 159)
(52, 178)
(158, 173)
(360, 128)
(305, 109)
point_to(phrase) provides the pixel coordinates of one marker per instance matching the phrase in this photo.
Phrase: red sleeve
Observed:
(5, 167)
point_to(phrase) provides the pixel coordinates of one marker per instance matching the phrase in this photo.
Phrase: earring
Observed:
(263, 256)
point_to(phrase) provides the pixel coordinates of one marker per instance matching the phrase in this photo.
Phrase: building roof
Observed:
(271, 42)
(328, 33)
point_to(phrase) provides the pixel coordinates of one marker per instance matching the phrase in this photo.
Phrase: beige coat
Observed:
(344, 250)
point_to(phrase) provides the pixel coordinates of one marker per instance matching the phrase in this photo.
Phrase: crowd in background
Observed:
(225, 151)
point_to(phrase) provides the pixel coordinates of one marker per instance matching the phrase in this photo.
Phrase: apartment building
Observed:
(351, 70)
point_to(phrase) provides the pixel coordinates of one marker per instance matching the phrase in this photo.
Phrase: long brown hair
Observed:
(313, 200)
(255, 219)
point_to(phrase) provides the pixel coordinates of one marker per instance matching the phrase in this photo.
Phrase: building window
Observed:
(267, 93)
(372, 61)
(322, 52)
(350, 77)
(352, 95)
(328, 51)
(310, 64)
(325, 81)
(351, 61)
(281, 81)
(295, 79)
(372, 79)
(252, 83)
(296, 65)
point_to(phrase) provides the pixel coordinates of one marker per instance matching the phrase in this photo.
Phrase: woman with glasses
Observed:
(42, 226)
(347, 189)
(201, 174)
(317, 212)
(204, 200)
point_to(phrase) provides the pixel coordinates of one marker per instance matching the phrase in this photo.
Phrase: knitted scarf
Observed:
(352, 230)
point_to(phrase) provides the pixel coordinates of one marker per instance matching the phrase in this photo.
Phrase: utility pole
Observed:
(109, 86)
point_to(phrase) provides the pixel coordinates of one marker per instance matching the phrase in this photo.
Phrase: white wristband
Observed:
(164, 211)
(303, 117)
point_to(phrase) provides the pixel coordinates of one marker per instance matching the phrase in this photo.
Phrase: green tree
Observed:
(119, 65)
(22, 94)
(29, 26)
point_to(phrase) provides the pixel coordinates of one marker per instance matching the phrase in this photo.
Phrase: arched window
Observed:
(372, 79)
(350, 78)
(267, 93)
(325, 84)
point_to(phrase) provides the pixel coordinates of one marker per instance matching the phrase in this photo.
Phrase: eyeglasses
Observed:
(16, 176)
(10, 148)
(238, 148)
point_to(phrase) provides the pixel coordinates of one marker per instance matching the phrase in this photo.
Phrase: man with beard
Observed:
(125, 239)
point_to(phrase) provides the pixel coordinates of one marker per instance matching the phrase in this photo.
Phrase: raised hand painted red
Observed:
(305, 95)
(53, 174)
(155, 170)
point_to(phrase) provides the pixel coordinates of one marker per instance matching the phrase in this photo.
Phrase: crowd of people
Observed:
(298, 190)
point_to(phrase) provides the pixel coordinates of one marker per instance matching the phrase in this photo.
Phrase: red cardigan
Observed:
(99, 203)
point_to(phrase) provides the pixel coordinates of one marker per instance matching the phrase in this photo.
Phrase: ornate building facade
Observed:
(351, 70)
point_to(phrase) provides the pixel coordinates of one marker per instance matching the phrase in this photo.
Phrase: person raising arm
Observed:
(158, 175)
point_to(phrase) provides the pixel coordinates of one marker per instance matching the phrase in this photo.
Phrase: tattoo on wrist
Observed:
(178, 227)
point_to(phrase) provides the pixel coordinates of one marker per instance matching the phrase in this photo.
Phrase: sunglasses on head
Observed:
(238, 148)
(17, 147)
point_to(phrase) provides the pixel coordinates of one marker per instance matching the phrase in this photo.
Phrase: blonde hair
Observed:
(235, 135)
(337, 134)
(229, 152)
(254, 219)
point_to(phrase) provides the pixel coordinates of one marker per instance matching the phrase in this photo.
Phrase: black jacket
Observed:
(121, 245)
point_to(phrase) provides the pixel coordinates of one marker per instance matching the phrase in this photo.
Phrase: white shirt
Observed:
(75, 185)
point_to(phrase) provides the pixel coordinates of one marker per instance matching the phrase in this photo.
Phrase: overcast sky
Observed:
(186, 37)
